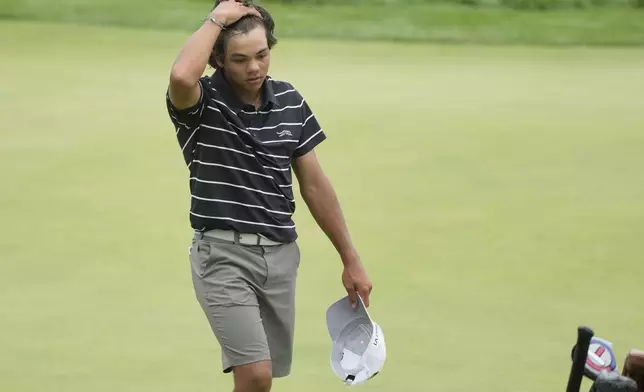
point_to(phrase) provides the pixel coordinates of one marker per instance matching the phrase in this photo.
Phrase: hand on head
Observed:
(230, 11)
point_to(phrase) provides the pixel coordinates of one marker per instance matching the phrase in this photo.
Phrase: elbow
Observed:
(315, 186)
(308, 191)
(180, 77)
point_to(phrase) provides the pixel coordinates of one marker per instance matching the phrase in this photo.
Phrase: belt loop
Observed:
(259, 239)
(236, 237)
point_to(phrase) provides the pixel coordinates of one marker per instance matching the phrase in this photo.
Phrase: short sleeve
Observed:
(186, 123)
(312, 133)
(187, 118)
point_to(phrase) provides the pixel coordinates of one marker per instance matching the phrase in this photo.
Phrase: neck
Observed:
(249, 97)
(246, 96)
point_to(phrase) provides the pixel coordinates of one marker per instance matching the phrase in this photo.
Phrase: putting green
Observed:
(495, 195)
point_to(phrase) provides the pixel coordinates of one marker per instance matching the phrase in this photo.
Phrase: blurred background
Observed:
(487, 155)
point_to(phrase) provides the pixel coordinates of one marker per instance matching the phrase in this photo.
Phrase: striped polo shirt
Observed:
(239, 157)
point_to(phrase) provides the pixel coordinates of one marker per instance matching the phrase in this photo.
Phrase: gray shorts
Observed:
(248, 295)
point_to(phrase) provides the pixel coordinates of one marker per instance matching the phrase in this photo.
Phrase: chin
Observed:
(255, 84)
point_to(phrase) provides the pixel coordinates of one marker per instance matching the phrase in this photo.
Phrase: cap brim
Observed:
(340, 314)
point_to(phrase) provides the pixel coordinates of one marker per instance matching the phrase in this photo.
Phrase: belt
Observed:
(236, 237)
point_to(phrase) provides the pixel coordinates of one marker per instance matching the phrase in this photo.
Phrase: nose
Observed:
(253, 66)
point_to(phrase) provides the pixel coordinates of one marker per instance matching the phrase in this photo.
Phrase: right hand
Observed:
(230, 11)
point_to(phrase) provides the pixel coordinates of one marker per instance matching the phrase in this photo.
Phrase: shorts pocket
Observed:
(298, 255)
(230, 293)
(199, 256)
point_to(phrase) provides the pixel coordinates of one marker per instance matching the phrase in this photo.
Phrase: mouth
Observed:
(256, 79)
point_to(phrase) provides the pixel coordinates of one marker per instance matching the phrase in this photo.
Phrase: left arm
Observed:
(322, 201)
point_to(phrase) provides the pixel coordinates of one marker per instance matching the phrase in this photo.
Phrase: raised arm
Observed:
(184, 89)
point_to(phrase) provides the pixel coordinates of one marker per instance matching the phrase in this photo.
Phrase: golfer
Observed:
(242, 134)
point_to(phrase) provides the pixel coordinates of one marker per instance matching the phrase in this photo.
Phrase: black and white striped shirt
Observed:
(239, 158)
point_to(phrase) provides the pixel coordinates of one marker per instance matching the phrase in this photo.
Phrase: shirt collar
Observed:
(221, 84)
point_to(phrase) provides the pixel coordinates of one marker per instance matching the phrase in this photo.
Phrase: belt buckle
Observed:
(240, 238)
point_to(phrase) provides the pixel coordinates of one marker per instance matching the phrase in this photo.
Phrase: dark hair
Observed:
(243, 26)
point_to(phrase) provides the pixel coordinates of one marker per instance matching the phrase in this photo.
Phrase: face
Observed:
(247, 59)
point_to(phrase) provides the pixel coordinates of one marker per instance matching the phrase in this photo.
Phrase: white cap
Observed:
(358, 351)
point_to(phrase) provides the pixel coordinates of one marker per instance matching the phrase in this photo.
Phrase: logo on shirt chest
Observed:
(283, 133)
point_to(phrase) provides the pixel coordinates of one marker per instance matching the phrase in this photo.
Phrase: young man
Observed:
(241, 132)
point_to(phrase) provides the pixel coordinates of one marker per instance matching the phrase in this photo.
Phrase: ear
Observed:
(220, 61)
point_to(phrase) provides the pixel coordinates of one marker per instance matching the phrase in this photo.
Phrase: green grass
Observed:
(436, 22)
(495, 195)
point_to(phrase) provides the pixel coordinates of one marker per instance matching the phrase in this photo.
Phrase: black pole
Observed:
(584, 335)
